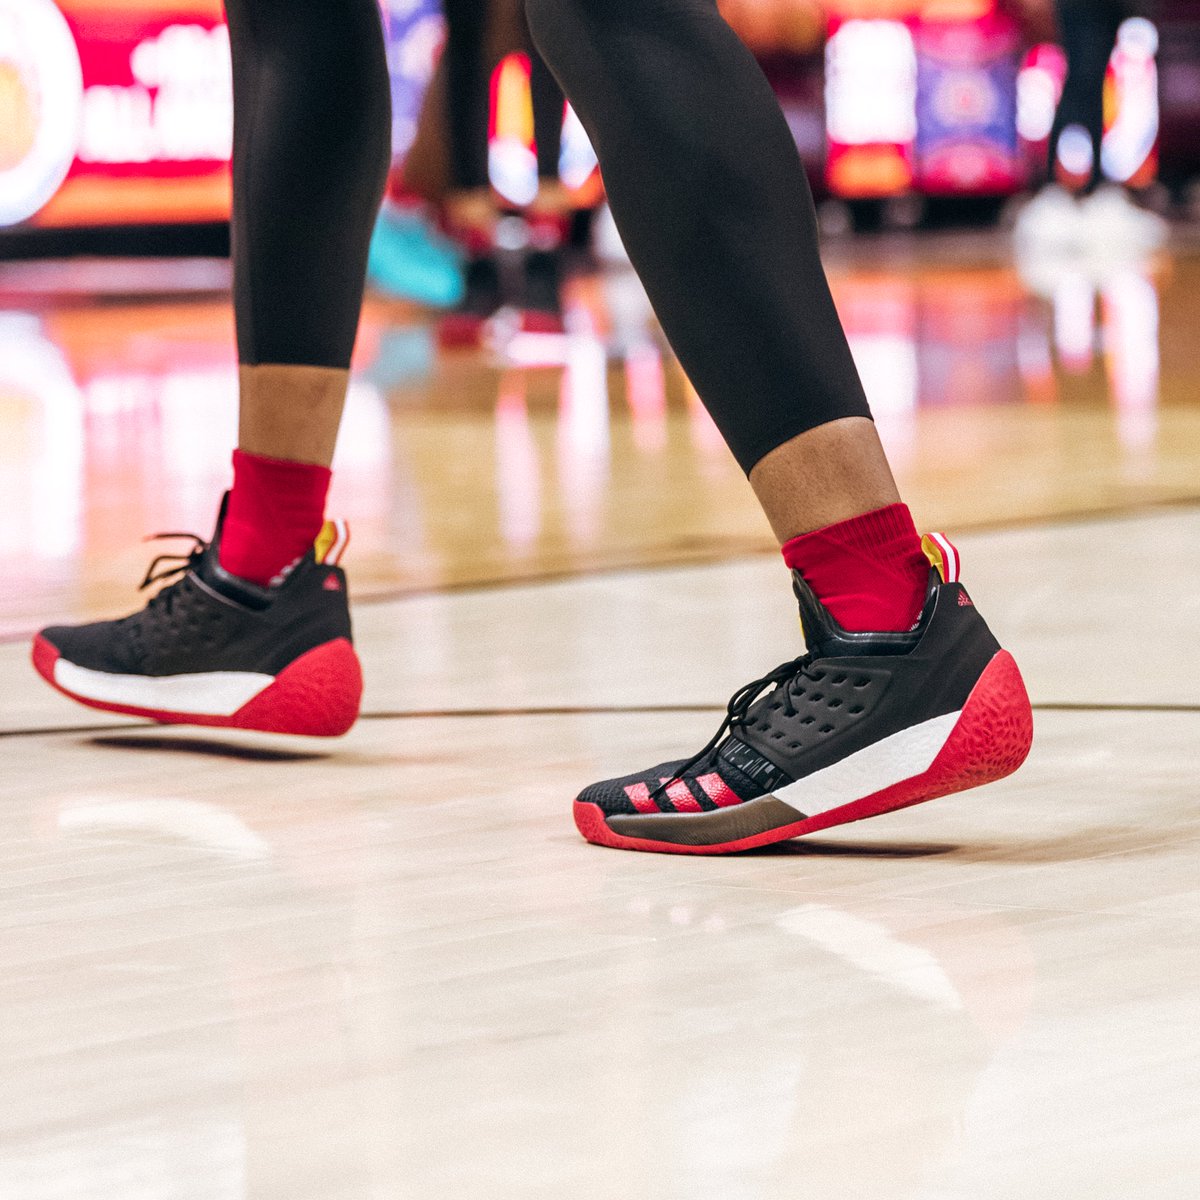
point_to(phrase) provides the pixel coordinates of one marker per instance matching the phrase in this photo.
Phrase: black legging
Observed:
(702, 173)
(311, 154)
(1088, 29)
(468, 88)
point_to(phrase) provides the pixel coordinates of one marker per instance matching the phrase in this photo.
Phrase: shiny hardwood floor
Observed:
(242, 967)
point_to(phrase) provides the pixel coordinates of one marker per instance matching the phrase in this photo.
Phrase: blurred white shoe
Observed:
(1052, 219)
(1115, 225)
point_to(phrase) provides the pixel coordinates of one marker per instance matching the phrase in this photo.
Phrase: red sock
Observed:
(870, 571)
(276, 509)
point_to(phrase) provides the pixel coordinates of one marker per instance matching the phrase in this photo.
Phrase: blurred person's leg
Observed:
(468, 112)
(711, 200)
(470, 211)
(1088, 29)
(254, 630)
(548, 216)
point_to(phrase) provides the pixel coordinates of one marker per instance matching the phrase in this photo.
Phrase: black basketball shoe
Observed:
(863, 724)
(541, 305)
(465, 325)
(213, 649)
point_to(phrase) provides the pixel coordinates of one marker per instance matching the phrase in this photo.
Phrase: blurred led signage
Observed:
(113, 112)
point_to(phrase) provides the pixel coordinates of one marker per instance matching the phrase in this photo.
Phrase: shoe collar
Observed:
(825, 638)
(228, 586)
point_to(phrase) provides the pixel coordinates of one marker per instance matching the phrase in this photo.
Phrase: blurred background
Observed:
(1019, 299)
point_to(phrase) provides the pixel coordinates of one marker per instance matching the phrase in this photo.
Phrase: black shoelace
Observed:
(179, 566)
(738, 709)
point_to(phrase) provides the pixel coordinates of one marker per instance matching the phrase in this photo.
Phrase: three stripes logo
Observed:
(680, 795)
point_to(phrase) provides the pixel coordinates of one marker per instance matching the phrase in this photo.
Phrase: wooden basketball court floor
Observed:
(236, 966)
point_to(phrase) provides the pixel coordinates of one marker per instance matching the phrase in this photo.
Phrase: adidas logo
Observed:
(965, 601)
(332, 583)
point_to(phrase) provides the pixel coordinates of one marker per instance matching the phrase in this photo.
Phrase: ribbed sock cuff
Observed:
(276, 508)
(869, 571)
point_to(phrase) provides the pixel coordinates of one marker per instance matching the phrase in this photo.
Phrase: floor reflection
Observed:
(1070, 382)
(713, 1033)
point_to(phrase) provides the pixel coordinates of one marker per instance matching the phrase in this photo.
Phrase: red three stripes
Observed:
(680, 795)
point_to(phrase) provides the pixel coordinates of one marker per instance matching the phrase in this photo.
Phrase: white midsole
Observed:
(210, 694)
(884, 763)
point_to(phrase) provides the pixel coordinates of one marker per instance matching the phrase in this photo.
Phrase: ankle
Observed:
(869, 571)
(276, 509)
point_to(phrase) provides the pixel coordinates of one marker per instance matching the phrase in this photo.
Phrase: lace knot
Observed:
(737, 711)
(176, 569)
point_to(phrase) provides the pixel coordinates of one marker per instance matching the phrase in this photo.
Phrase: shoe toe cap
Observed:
(92, 646)
(56, 637)
(613, 796)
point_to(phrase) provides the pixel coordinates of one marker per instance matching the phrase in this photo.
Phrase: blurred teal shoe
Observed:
(411, 261)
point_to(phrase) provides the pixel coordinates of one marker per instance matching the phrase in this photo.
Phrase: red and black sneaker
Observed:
(213, 649)
(465, 326)
(863, 724)
(541, 305)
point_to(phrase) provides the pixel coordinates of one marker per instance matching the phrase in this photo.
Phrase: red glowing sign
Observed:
(113, 112)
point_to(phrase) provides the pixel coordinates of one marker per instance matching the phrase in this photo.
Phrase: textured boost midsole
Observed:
(209, 694)
(889, 761)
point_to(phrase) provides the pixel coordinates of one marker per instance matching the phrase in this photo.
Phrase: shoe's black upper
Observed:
(849, 691)
(208, 620)
(483, 294)
(542, 283)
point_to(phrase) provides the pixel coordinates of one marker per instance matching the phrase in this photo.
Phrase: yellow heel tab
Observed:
(942, 555)
(331, 542)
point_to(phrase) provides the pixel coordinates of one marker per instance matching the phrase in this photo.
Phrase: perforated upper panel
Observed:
(825, 702)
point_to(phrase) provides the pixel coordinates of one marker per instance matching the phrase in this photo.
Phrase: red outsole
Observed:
(991, 739)
(535, 321)
(317, 695)
(459, 331)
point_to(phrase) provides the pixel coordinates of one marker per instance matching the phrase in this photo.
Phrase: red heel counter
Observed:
(318, 695)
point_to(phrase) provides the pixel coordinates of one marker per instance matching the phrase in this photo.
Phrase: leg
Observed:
(904, 694)
(468, 88)
(709, 194)
(548, 216)
(711, 199)
(469, 208)
(253, 631)
(1088, 29)
(311, 154)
